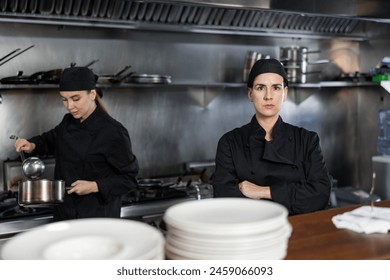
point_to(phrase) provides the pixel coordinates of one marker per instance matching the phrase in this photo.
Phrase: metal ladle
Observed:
(32, 167)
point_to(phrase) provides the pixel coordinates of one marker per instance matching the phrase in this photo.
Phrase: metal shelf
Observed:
(324, 84)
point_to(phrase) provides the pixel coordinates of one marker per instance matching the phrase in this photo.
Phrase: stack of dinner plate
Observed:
(227, 228)
(88, 239)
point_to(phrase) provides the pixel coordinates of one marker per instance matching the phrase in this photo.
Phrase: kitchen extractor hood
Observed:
(304, 18)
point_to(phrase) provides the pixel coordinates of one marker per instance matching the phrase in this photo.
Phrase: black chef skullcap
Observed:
(77, 78)
(267, 65)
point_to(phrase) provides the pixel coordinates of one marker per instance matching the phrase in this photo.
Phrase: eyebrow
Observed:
(75, 95)
(260, 84)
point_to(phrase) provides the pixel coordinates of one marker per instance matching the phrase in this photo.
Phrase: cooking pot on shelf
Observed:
(40, 192)
(295, 60)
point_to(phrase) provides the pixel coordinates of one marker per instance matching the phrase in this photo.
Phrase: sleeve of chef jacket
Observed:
(44, 143)
(125, 165)
(225, 179)
(309, 194)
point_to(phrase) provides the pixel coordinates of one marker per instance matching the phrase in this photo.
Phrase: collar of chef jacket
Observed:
(280, 148)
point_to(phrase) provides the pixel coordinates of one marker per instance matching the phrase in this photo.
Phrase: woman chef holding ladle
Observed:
(92, 150)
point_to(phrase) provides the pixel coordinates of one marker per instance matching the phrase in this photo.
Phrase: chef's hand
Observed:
(81, 187)
(24, 145)
(254, 191)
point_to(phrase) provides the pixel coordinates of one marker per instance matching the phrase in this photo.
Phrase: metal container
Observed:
(35, 192)
(250, 59)
(295, 60)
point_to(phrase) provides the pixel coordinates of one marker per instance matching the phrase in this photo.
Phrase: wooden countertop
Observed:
(315, 237)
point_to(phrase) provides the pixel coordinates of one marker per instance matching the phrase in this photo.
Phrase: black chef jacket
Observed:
(291, 163)
(97, 149)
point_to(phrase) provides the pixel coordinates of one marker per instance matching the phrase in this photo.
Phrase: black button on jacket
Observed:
(291, 163)
(97, 149)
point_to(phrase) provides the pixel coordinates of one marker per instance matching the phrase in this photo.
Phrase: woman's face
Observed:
(267, 94)
(80, 104)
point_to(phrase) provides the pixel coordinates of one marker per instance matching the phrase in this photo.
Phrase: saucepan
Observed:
(40, 192)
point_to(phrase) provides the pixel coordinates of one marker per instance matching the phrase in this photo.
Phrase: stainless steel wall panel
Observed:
(170, 125)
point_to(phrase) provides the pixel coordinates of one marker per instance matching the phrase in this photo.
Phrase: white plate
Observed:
(96, 238)
(229, 246)
(221, 240)
(226, 216)
(276, 254)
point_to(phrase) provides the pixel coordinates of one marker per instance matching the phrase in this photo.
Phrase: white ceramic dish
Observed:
(274, 254)
(222, 240)
(97, 238)
(234, 246)
(226, 216)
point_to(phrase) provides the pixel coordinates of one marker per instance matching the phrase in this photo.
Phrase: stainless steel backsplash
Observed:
(173, 124)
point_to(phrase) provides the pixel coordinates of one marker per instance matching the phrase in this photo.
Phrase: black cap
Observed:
(267, 65)
(77, 78)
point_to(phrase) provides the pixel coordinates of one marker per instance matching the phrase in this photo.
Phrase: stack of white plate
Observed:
(89, 239)
(227, 228)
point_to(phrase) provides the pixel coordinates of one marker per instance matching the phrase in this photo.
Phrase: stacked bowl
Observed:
(227, 228)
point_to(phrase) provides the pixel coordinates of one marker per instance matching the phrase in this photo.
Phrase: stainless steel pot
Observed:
(35, 192)
(295, 60)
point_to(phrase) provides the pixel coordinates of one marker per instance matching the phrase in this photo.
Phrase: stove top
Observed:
(10, 209)
(171, 189)
(146, 204)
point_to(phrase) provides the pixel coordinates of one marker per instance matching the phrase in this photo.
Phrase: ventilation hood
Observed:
(353, 20)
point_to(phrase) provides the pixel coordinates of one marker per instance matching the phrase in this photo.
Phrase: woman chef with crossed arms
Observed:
(92, 151)
(268, 158)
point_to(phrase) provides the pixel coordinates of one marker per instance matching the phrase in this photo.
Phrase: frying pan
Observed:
(116, 78)
(149, 79)
(53, 76)
(20, 79)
